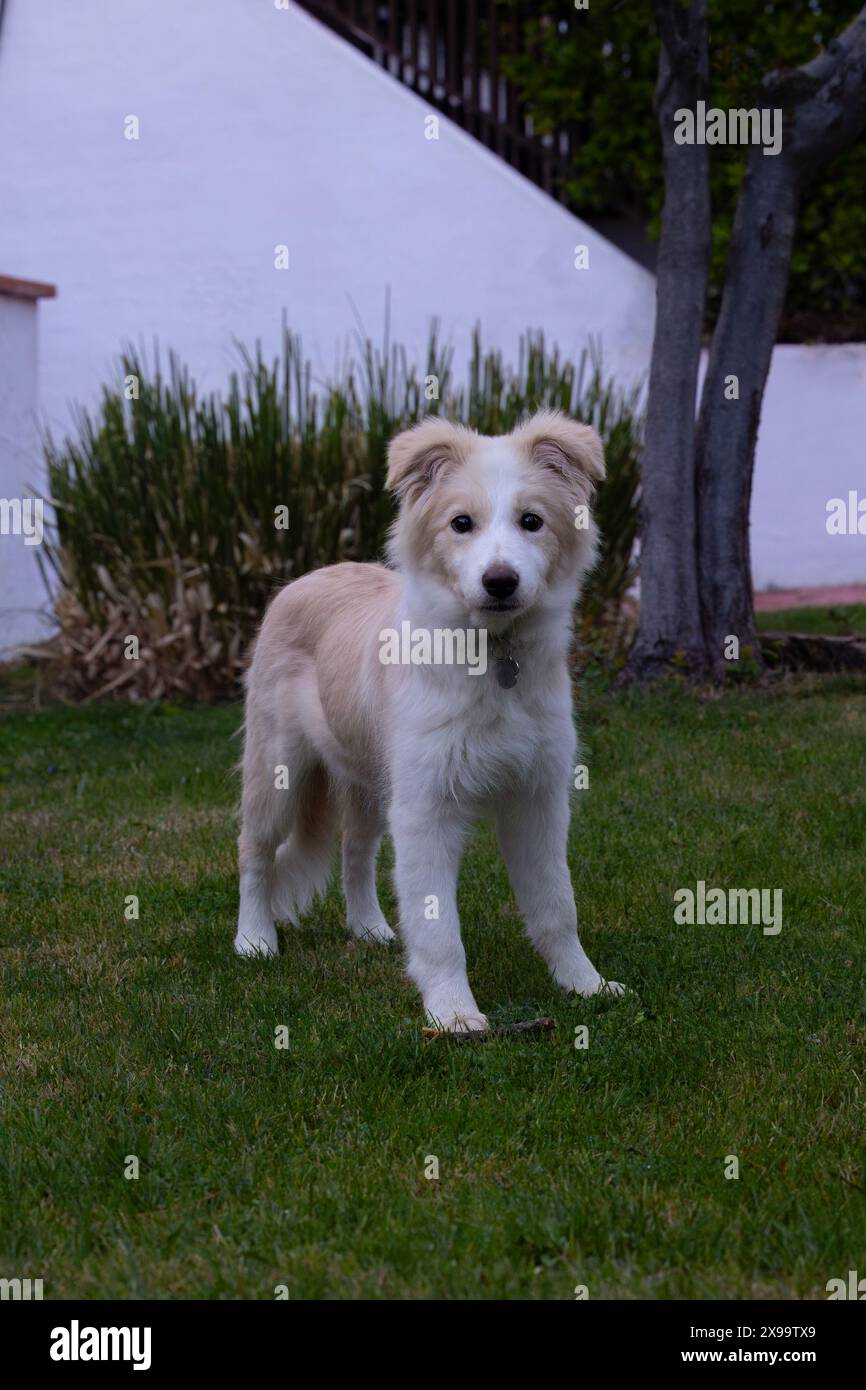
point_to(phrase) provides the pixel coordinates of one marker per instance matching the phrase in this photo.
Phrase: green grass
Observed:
(558, 1167)
(839, 620)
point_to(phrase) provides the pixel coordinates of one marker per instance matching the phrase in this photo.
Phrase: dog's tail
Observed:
(303, 864)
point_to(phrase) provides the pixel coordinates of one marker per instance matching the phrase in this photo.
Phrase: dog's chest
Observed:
(476, 735)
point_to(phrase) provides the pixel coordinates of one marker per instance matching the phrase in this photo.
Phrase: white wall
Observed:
(22, 594)
(811, 448)
(259, 126)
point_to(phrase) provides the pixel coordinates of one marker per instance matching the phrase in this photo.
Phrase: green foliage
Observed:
(165, 502)
(594, 72)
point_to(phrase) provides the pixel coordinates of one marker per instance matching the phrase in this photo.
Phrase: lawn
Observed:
(304, 1166)
(839, 620)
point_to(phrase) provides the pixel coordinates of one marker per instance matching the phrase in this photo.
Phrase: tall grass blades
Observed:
(169, 506)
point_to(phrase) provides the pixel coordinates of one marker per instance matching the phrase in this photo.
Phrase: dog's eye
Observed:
(530, 522)
(461, 524)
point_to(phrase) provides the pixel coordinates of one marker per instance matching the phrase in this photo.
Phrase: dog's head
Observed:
(503, 523)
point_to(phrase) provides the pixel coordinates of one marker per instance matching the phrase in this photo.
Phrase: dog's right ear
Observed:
(419, 455)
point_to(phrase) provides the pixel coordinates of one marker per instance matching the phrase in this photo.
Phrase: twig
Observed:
(532, 1025)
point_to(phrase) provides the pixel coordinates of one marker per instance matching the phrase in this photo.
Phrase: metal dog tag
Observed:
(507, 671)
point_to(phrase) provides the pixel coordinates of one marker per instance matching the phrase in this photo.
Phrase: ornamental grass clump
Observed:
(177, 515)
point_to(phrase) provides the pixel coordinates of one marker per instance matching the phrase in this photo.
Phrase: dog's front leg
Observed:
(428, 842)
(533, 834)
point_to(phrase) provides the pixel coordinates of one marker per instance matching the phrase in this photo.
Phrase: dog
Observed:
(492, 539)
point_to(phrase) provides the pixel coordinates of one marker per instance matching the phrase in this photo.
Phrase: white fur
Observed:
(427, 749)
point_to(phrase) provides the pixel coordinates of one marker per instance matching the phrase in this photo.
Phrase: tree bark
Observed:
(824, 110)
(670, 624)
(752, 302)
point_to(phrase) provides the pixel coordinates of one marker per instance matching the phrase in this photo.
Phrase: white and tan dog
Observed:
(493, 537)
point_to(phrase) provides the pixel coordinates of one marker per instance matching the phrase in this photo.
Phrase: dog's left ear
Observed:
(572, 450)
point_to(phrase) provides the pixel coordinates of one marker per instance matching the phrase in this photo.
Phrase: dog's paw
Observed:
(377, 930)
(586, 987)
(254, 942)
(612, 987)
(461, 1023)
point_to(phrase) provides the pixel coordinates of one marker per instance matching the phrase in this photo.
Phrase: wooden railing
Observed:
(450, 52)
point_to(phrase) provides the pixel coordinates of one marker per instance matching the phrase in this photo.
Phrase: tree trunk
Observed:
(742, 346)
(824, 110)
(670, 623)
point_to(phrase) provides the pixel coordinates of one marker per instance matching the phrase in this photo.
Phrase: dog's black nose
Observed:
(500, 580)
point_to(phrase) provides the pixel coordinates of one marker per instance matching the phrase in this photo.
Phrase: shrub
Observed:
(165, 503)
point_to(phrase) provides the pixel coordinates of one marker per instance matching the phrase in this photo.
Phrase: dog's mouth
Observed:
(503, 606)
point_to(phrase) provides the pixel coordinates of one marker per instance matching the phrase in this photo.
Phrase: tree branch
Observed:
(797, 84)
(683, 33)
(824, 100)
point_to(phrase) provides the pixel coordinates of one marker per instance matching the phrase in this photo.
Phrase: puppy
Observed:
(491, 542)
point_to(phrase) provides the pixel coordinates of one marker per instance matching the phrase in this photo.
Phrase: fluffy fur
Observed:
(425, 750)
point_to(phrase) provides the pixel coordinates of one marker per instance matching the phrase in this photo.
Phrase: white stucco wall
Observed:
(22, 593)
(260, 127)
(811, 448)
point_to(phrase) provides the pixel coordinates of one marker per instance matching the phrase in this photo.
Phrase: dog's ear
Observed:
(420, 454)
(572, 450)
